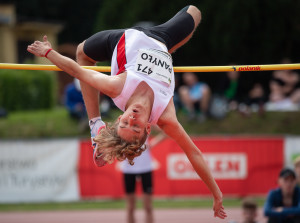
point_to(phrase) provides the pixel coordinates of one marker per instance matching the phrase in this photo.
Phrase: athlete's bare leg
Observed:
(90, 94)
(196, 14)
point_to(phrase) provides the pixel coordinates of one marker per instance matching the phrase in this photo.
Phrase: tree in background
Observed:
(251, 32)
(231, 31)
(244, 32)
(77, 16)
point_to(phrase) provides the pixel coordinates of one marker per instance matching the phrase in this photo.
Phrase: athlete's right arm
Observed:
(169, 124)
(108, 85)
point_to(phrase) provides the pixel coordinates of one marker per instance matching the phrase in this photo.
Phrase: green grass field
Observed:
(120, 204)
(56, 123)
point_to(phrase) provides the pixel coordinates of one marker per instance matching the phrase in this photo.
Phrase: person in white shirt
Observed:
(141, 170)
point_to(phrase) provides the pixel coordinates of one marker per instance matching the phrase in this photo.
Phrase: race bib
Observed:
(155, 64)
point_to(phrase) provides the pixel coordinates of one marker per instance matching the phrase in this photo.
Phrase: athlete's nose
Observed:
(131, 119)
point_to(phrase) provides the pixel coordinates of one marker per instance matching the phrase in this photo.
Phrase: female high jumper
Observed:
(141, 84)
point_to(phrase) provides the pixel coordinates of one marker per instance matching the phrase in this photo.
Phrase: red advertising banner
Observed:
(241, 166)
(97, 181)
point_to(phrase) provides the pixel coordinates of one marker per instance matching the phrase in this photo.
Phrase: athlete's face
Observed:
(133, 124)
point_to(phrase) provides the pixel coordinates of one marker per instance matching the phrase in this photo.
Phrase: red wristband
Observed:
(48, 51)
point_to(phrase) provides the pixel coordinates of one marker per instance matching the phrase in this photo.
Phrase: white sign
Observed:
(291, 150)
(222, 165)
(155, 64)
(40, 170)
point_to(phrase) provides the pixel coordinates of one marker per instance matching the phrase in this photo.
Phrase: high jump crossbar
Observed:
(295, 66)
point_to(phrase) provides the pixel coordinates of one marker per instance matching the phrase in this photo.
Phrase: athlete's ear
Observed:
(148, 128)
(119, 118)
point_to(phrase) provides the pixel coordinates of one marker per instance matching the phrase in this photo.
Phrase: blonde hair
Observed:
(111, 146)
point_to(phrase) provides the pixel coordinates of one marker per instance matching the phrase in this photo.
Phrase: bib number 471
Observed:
(146, 70)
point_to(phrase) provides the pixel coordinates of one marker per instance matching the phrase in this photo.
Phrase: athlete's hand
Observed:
(219, 209)
(39, 48)
(95, 126)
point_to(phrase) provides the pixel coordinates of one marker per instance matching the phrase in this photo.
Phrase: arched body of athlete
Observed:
(141, 84)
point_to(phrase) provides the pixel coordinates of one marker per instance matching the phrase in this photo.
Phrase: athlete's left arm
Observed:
(170, 125)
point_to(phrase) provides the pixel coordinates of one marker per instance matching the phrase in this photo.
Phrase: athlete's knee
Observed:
(79, 52)
(195, 13)
(82, 58)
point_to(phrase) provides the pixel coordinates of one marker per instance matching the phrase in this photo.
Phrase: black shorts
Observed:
(101, 45)
(130, 182)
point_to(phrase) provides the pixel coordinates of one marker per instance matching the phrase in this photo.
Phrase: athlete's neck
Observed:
(142, 96)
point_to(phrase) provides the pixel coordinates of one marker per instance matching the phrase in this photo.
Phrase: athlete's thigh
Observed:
(100, 46)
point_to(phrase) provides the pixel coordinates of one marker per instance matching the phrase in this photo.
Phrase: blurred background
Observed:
(246, 123)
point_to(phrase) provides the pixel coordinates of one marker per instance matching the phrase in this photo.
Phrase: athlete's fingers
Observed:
(45, 38)
(220, 214)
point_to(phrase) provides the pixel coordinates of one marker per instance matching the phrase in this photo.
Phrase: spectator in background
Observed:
(141, 170)
(227, 95)
(284, 90)
(297, 169)
(255, 100)
(176, 98)
(283, 204)
(3, 113)
(106, 105)
(75, 104)
(195, 97)
(249, 212)
(229, 87)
